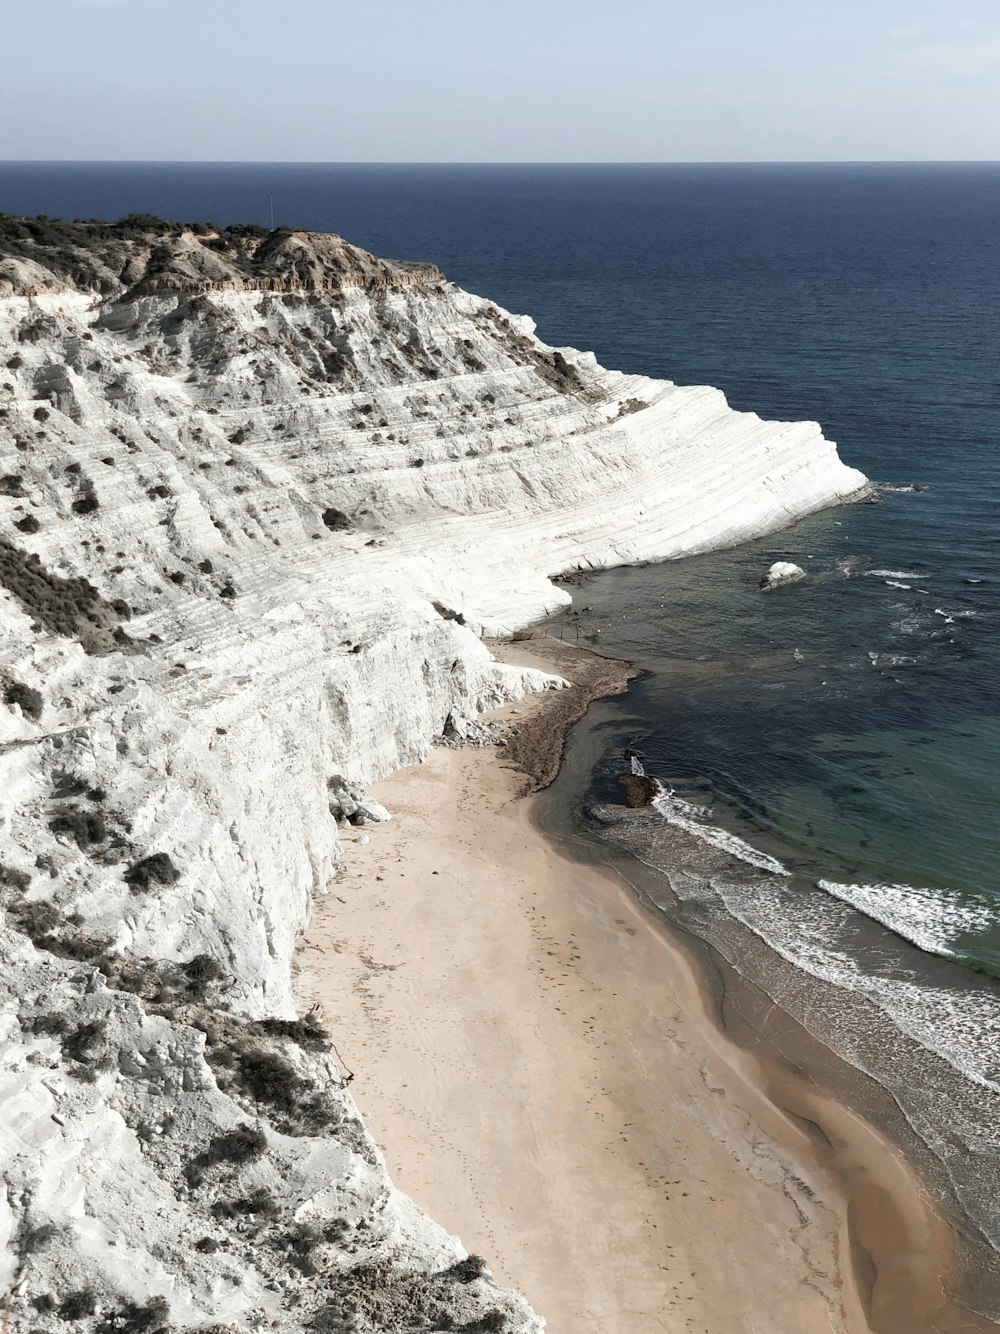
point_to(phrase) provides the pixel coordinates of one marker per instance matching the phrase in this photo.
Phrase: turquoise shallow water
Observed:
(848, 719)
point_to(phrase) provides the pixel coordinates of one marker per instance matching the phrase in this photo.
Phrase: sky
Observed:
(522, 81)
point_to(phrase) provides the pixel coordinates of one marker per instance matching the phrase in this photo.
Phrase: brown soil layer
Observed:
(536, 747)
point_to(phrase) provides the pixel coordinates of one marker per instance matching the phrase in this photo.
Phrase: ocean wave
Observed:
(962, 1027)
(891, 659)
(928, 918)
(694, 820)
(893, 574)
(682, 815)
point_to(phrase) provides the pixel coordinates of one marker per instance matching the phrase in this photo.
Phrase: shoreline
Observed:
(635, 1136)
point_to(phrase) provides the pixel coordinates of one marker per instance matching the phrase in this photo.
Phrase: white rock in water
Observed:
(782, 572)
(255, 512)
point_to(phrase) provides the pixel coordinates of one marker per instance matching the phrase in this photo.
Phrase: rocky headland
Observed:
(262, 495)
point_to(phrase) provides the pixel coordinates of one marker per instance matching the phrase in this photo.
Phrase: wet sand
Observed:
(541, 1064)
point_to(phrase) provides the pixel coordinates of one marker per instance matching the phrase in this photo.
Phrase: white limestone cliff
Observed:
(260, 495)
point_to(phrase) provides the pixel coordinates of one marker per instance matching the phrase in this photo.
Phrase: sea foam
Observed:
(929, 918)
(680, 813)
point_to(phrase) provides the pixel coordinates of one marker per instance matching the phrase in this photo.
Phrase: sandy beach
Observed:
(537, 1059)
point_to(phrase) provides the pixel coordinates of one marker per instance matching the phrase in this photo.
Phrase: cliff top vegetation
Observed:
(141, 254)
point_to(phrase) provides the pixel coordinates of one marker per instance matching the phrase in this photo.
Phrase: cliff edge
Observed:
(261, 493)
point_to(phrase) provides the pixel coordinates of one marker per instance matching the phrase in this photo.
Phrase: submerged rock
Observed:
(640, 789)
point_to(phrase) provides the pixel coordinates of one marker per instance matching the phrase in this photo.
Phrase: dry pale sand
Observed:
(534, 1057)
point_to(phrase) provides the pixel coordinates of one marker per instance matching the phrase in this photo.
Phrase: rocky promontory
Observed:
(261, 496)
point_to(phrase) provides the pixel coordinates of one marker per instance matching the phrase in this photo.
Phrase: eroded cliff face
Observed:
(259, 496)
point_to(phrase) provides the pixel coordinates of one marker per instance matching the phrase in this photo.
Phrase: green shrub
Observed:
(261, 1204)
(83, 826)
(28, 700)
(467, 1270)
(132, 1318)
(157, 869)
(336, 520)
(245, 1144)
(76, 1305)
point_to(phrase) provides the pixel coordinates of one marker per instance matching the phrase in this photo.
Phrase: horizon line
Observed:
(499, 162)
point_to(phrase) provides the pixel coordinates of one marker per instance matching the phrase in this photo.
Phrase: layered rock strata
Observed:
(261, 494)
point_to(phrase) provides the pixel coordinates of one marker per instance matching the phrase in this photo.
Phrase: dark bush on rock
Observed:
(52, 1025)
(149, 1318)
(49, 929)
(68, 784)
(36, 917)
(248, 1066)
(307, 1031)
(70, 607)
(12, 484)
(160, 983)
(467, 1270)
(79, 1045)
(30, 1240)
(200, 972)
(156, 869)
(28, 700)
(245, 1144)
(82, 826)
(261, 1204)
(269, 1078)
(29, 524)
(76, 1305)
(336, 520)
(303, 1239)
(13, 879)
(87, 504)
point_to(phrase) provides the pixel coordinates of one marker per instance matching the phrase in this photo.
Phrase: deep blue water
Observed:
(849, 725)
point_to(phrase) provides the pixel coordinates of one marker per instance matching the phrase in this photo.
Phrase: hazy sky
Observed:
(526, 80)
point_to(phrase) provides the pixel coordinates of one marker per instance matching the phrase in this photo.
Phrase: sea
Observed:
(827, 754)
